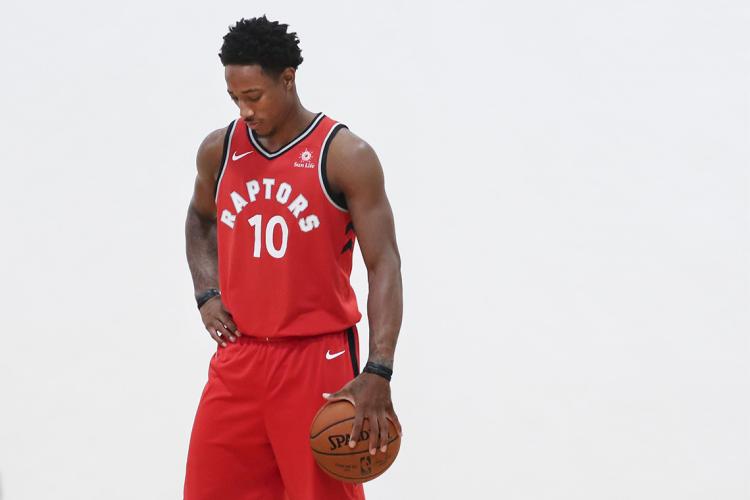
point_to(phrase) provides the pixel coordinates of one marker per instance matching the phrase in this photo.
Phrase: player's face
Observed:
(264, 99)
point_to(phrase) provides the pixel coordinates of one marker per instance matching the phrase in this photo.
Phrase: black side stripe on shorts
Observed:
(352, 351)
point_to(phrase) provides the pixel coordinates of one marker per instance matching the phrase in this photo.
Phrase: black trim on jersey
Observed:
(224, 154)
(269, 155)
(337, 198)
(352, 351)
(349, 246)
(349, 227)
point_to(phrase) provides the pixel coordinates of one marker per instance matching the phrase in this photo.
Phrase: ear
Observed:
(287, 78)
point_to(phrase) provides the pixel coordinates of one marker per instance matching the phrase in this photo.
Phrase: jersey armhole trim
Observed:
(337, 199)
(224, 157)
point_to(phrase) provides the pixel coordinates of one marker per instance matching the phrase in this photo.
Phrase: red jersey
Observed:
(285, 242)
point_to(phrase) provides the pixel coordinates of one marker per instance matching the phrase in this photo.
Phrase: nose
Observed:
(246, 113)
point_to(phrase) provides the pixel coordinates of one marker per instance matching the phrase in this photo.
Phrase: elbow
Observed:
(198, 217)
(386, 264)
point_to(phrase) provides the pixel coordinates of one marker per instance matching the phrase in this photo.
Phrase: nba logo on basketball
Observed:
(365, 465)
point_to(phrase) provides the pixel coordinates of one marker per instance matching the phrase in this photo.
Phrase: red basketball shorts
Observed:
(251, 434)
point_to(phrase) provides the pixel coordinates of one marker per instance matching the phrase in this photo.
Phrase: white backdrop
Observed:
(570, 185)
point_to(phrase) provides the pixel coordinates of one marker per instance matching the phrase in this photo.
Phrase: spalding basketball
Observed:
(329, 439)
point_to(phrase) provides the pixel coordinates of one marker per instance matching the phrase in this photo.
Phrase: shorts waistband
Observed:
(294, 338)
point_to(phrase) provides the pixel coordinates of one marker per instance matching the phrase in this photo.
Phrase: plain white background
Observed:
(570, 185)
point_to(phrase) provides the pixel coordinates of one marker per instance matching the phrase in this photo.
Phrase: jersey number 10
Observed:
(256, 222)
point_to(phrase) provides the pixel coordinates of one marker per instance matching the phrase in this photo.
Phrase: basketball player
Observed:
(280, 196)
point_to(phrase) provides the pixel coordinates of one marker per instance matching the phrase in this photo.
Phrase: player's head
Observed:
(260, 60)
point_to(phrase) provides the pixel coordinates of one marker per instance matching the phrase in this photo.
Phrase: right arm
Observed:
(200, 238)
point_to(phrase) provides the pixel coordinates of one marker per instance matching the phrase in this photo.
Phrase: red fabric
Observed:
(250, 437)
(279, 274)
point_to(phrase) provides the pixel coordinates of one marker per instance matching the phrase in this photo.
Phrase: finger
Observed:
(224, 331)
(338, 396)
(393, 418)
(226, 319)
(383, 426)
(356, 427)
(374, 431)
(215, 336)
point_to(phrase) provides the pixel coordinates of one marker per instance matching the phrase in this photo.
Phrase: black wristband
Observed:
(204, 297)
(378, 369)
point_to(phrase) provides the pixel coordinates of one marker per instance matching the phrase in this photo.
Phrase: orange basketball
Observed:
(329, 439)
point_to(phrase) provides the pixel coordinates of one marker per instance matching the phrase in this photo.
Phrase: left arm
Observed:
(353, 169)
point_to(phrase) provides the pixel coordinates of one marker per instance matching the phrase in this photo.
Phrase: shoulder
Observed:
(351, 160)
(346, 145)
(211, 151)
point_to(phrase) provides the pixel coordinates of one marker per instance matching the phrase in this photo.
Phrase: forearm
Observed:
(384, 309)
(200, 247)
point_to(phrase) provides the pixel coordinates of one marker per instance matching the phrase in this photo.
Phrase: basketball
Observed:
(329, 439)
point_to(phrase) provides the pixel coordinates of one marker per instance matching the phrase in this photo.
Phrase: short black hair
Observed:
(263, 42)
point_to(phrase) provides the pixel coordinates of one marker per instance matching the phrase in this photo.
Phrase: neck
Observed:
(293, 123)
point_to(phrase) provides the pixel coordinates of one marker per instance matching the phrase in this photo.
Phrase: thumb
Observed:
(337, 396)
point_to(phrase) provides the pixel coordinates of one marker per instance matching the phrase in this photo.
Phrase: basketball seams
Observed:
(349, 452)
(354, 479)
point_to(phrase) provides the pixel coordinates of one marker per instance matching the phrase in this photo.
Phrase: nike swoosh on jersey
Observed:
(333, 356)
(236, 157)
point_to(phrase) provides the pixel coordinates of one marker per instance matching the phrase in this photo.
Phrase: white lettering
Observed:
(255, 222)
(253, 188)
(269, 184)
(239, 201)
(227, 218)
(282, 195)
(298, 205)
(309, 223)
(274, 252)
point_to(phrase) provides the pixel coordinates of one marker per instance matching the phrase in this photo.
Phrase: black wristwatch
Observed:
(204, 296)
(378, 369)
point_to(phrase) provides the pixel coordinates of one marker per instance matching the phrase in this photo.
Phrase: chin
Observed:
(258, 130)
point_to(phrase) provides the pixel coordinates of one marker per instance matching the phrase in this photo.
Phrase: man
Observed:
(270, 232)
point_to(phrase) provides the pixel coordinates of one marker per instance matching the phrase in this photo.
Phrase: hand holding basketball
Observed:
(329, 436)
(218, 321)
(371, 396)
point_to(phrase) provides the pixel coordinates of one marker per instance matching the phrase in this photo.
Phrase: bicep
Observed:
(208, 160)
(359, 176)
